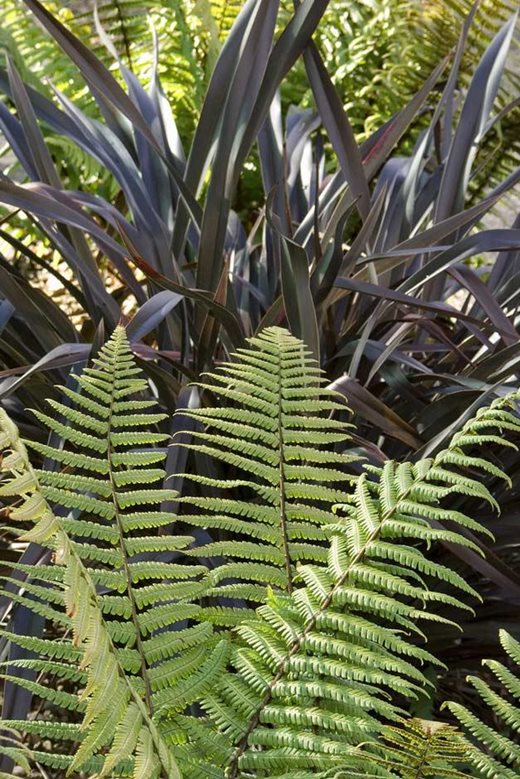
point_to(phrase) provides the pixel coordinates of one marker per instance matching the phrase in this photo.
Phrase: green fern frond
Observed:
(420, 749)
(277, 386)
(99, 519)
(309, 683)
(315, 672)
(99, 658)
(494, 752)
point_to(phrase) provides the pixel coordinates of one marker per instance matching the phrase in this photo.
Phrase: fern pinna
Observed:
(304, 685)
(100, 514)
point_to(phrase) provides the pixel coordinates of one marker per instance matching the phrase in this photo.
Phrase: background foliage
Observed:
(377, 52)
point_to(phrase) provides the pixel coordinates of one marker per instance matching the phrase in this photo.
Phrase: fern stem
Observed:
(126, 566)
(424, 759)
(281, 484)
(296, 646)
(126, 42)
(156, 738)
(130, 591)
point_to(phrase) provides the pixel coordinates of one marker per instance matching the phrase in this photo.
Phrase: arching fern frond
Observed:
(186, 53)
(277, 444)
(315, 672)
(494, 752)
(102, 516)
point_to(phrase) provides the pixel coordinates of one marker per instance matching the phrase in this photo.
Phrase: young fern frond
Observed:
(494, 753)
(417, 749)
(272, 433)
(124, 726)
(316, 670)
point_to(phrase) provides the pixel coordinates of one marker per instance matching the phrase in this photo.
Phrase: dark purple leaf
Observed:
(152, 313)
(63, 355)
(335, 121)
(297, 297)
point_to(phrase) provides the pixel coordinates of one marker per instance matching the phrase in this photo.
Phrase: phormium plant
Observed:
(361, 250)
(353, 237)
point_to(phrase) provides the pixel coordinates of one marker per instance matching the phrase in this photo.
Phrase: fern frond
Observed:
(277, 386)
(99, 657)
(325, 645)
(421, 749)
(330, 658)
(101, 526)
(494, 751)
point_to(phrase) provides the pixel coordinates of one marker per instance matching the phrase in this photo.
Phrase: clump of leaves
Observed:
(362, 253)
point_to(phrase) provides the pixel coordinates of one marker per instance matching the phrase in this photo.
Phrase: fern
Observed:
(186, 53)
(494, 752)
(417, 749)
(270, 435)
(316, 669)
(313, 683)
(126, 727)
(421, 749)
(104, 503)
